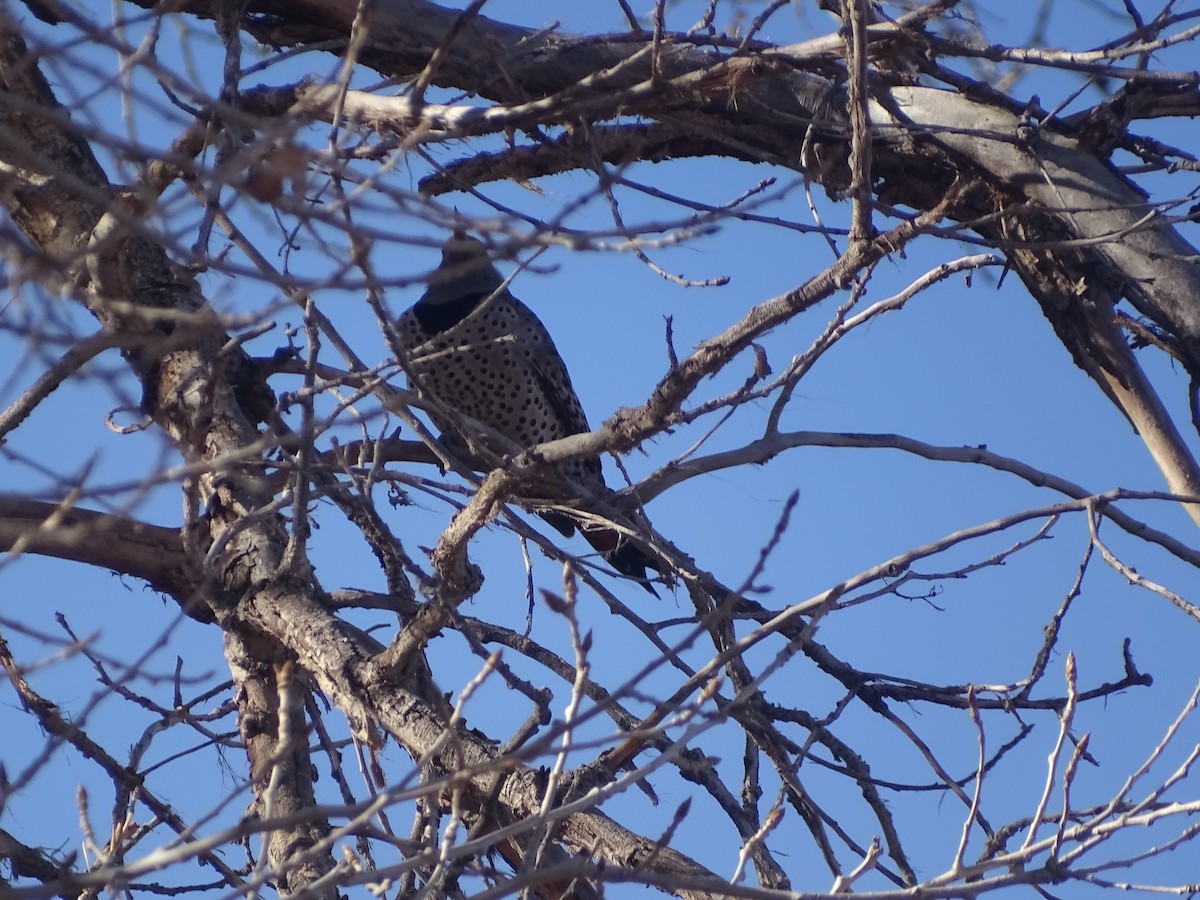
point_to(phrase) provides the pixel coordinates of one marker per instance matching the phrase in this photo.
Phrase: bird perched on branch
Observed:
(475, 349)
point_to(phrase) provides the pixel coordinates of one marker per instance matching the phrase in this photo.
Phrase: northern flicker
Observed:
(475, 349)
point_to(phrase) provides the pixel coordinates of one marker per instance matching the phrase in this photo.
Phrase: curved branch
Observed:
(110, 541)
(766, 448)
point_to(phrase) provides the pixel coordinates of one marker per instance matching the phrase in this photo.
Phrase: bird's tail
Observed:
(622, 554)
(618, 550)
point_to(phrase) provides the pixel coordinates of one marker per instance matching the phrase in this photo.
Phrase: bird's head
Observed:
(465, 270)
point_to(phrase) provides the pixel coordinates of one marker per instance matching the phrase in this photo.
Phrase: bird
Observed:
(473, 348)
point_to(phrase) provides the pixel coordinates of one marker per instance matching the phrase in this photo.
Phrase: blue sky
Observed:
(959, 366)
